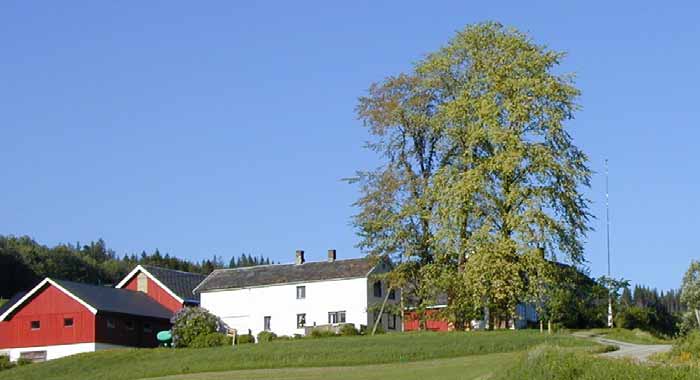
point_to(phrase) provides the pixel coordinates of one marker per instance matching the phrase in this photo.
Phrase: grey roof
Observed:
(179, 282)
(124, 301)
(285, 273)
(11, 302)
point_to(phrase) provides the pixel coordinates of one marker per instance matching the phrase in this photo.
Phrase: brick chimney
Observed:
(331, 255)
(299, 257)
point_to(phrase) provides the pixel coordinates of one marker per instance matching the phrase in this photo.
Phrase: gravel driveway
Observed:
(638, 352)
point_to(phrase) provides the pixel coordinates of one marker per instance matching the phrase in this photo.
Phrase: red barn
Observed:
(171, 288)
(61, 318)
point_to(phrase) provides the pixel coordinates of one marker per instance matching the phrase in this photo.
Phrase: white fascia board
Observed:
(152, 277)
(36, 289)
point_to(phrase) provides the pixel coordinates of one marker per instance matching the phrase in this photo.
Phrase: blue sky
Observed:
(225, 127)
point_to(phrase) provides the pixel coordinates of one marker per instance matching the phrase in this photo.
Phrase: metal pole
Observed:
(607, 229)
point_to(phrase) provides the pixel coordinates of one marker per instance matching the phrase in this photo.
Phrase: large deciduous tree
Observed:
(690, 289)
(480, 176)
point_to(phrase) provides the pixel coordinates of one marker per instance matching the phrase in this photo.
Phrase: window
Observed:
(35, 325)
(129, 325)
(392, 294)
(378, 289)
(336, 317)
(67, 322)
(266, 323)
(142, 283)
(392, 322)
(301, 292)
(301, 320)
(110, 324)
(147, 328)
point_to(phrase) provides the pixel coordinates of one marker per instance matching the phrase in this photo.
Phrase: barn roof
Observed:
(180, 284)
(97, 299)
(124, 301)
(274, 274)
(13, 300)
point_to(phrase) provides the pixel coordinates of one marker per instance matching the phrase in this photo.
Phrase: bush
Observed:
(266, 336)
(5, 362)
(192, 322)
(244, 339)
(24, 361)
(348, 330)
(298, 336)
(320, 333)
(211, 340)
(688, 347)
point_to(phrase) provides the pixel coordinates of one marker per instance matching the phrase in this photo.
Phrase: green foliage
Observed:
(210, 340)
(126, 364)
(322, 333)
(635, 336)
(348, 330)
(192, 324)
(479, 174)
(5, 362)
(687, 348)
(244, 339)
(24, 262)
(266, 336)
(550, 363)
(24, 361)
(690, 289)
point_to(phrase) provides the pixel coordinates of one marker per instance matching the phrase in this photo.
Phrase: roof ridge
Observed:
(288, 264)
(171, 270)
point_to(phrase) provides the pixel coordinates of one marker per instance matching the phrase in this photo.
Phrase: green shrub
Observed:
(298, 336)
(24, 361)
(348, 330)
(244, 339)
(320, 333)
(211, 340)
(284, 337)
(192, 322)
(266, 336)
(687, 348)
(5, 362)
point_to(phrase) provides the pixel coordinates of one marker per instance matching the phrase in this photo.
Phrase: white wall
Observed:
(58, 351)
(246, 308)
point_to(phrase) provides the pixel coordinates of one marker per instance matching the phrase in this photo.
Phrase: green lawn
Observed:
(330, 352)
(630, 336)
(468, 367)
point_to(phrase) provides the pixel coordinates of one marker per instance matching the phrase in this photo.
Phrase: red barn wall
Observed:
(49, 306)
(113, 329)
(412, 323)
(156, 292)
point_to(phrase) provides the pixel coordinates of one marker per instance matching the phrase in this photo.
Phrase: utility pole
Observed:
(607, 229)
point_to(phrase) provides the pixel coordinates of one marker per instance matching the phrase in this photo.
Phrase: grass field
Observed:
(552, 363)
(331, 352)
(630, 336)
(468, 367)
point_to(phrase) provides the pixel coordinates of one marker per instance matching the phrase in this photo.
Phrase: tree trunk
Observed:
(541, 326)
(381, 311)
(549, 326)
(697, 316)
(402, 311)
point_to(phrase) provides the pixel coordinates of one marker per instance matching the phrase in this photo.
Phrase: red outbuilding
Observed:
(60, 318)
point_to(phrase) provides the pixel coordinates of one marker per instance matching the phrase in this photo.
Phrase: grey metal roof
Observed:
(124, 301)
(285, 273)
(11, 302)
(179, 282)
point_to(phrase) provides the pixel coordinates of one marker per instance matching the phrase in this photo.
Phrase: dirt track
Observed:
(638, 352)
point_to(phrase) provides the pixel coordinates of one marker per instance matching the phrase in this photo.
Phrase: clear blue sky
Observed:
(222, 128)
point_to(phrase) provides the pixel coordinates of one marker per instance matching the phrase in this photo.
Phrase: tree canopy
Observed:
(480, 182)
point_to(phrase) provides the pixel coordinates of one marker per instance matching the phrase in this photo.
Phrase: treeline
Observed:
(650, 310)
(24, 262)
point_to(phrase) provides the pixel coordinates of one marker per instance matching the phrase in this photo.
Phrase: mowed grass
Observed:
(330, 352)
(635, 336)
(463, 368)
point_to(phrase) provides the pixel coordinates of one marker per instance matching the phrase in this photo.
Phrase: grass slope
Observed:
(552, 363)
(635, 336)
(468, 367)
(331, 352)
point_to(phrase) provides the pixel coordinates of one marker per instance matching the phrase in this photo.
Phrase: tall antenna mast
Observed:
(607, 229)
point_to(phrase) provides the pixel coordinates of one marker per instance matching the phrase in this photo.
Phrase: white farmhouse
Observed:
(289, 299)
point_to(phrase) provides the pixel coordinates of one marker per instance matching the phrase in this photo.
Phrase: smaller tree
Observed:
(690, 289)
(191, 323)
